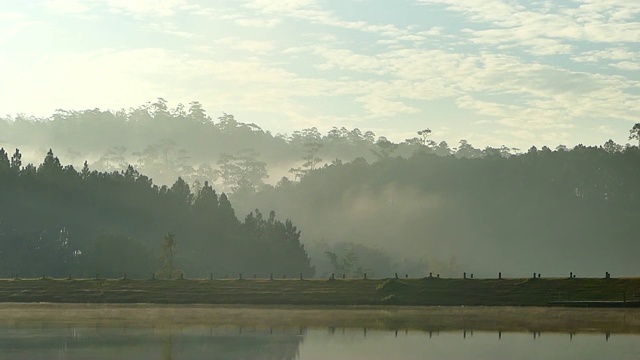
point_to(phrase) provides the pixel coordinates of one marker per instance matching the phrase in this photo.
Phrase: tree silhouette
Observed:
(634, 133)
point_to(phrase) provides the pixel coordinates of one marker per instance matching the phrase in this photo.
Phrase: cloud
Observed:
(612, 53)
(627, 65)
(312, 12)
(619, 58)
(543, 32)
(511, 68)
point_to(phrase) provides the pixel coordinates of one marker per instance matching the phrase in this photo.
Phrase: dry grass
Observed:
(416, 292)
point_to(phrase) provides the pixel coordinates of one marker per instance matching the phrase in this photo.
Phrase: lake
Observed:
(71, 331)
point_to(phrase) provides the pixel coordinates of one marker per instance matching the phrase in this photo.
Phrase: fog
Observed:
(361, 202)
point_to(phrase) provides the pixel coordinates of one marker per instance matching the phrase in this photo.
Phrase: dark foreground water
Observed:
(96, 333)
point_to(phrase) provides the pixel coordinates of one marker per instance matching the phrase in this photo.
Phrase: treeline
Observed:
(543, 211)
(184, 141)
(55, 220)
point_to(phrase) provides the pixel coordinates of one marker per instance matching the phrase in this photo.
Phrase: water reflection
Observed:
(31, 341)
(314, 333)
(38, 342)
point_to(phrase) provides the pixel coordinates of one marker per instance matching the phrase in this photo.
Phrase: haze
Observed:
(360, 136)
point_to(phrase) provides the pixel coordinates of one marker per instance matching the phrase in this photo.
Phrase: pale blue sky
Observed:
(493, 72)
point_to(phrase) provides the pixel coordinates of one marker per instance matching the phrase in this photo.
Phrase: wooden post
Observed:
(365, 276)
(396, 275)
(406, 276)
(500, 275)
(464, 275)
(472, 276)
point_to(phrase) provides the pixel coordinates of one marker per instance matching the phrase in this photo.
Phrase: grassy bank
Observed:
(419, 292)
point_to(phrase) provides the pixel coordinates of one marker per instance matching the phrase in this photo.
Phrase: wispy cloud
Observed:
(513, 70)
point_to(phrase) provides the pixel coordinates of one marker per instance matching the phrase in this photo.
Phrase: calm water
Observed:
(41, 335)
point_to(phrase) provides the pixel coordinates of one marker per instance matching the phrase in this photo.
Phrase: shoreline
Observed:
(427, 319)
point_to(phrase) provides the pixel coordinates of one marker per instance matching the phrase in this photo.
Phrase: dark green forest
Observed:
(363, 203)
(543, 211)
(56, 221)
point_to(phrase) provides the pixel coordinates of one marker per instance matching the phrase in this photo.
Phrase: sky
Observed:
(493, 72)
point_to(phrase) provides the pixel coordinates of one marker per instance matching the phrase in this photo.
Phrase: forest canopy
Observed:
(56, 221)
(364, 202)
